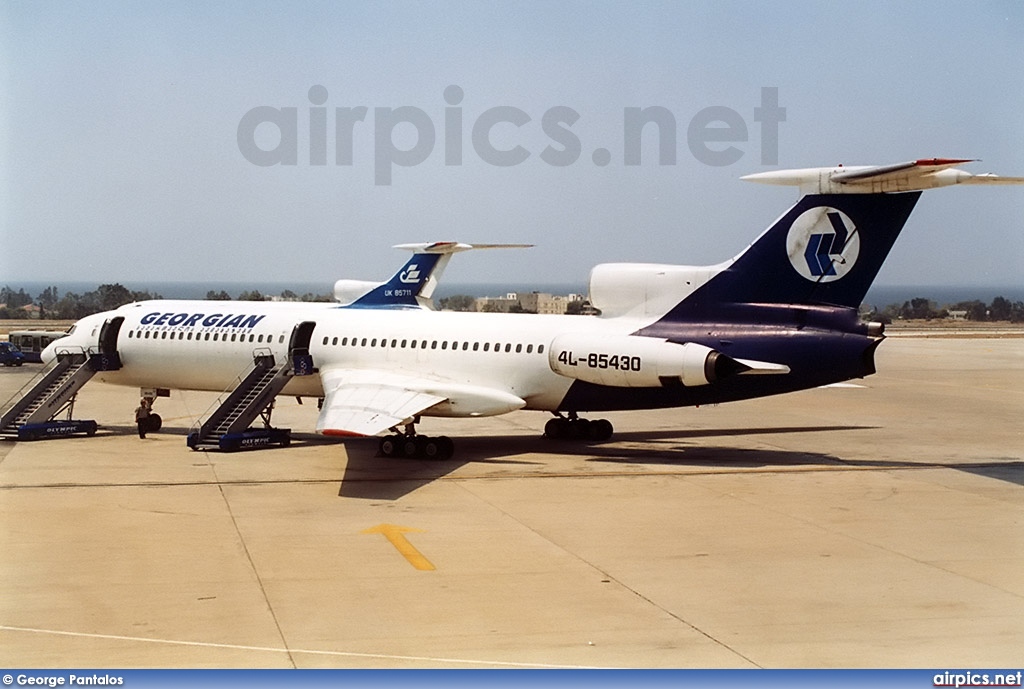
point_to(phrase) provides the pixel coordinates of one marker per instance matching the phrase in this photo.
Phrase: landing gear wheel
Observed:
(560, 428)
(431, 449)
(579, 429)
(601, 429)
(557, 428)
(440, 448)
(154, 423)
(411, 446)
(390, 444)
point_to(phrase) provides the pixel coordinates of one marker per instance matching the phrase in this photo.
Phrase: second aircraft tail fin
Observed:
(414, 284)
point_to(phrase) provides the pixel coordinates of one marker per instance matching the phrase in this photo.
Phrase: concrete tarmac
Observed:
(880, 526)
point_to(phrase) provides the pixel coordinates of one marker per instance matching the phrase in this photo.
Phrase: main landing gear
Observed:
(412, 446)
(575, 428)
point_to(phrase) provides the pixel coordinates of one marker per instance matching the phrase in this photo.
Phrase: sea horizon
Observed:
(879, 296)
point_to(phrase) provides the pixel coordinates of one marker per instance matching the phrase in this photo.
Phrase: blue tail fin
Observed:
(825, 250)
(402, 290)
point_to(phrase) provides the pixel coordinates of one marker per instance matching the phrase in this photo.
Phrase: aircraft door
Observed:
(108, 335)
(298, 348)
(107, 359)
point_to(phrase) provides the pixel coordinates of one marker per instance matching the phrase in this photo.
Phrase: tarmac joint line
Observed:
(296, 651)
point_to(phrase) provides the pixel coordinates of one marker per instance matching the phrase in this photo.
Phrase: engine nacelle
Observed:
(644, 289)
(637, 362)
(347, 291)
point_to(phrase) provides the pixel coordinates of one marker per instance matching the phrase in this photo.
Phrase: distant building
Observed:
(534, 302)
(541, 302)
(958, 315)
(496, 304)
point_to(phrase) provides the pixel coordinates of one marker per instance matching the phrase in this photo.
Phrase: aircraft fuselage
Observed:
(205, 345)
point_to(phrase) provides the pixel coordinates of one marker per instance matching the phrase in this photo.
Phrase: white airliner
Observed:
(780, 316)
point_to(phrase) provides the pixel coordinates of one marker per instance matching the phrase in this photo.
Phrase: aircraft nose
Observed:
(49, 352)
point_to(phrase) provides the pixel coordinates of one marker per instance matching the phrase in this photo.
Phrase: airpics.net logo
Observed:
(715, 135)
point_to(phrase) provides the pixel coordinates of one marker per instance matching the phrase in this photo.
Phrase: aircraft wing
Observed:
(366, 402)
(360, 401)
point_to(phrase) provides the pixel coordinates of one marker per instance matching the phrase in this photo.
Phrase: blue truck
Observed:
(10, 355)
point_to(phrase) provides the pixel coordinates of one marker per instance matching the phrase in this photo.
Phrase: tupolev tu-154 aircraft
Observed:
(780, 316)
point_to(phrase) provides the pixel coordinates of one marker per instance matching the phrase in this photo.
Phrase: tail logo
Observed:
(823, 244)
(410, 276)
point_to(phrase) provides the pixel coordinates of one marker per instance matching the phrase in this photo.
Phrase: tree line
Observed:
(920, 308)
(71, 306)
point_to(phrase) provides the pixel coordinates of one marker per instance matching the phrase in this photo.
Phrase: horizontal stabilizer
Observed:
(914, 175)
(455, 247)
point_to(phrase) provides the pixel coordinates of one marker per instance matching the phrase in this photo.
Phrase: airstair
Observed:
(228, 427)
(31, 413)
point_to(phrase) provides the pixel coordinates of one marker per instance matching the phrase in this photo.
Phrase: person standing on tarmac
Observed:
(142, 416)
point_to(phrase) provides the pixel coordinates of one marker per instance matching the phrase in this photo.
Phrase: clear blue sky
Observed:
(120, 156)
